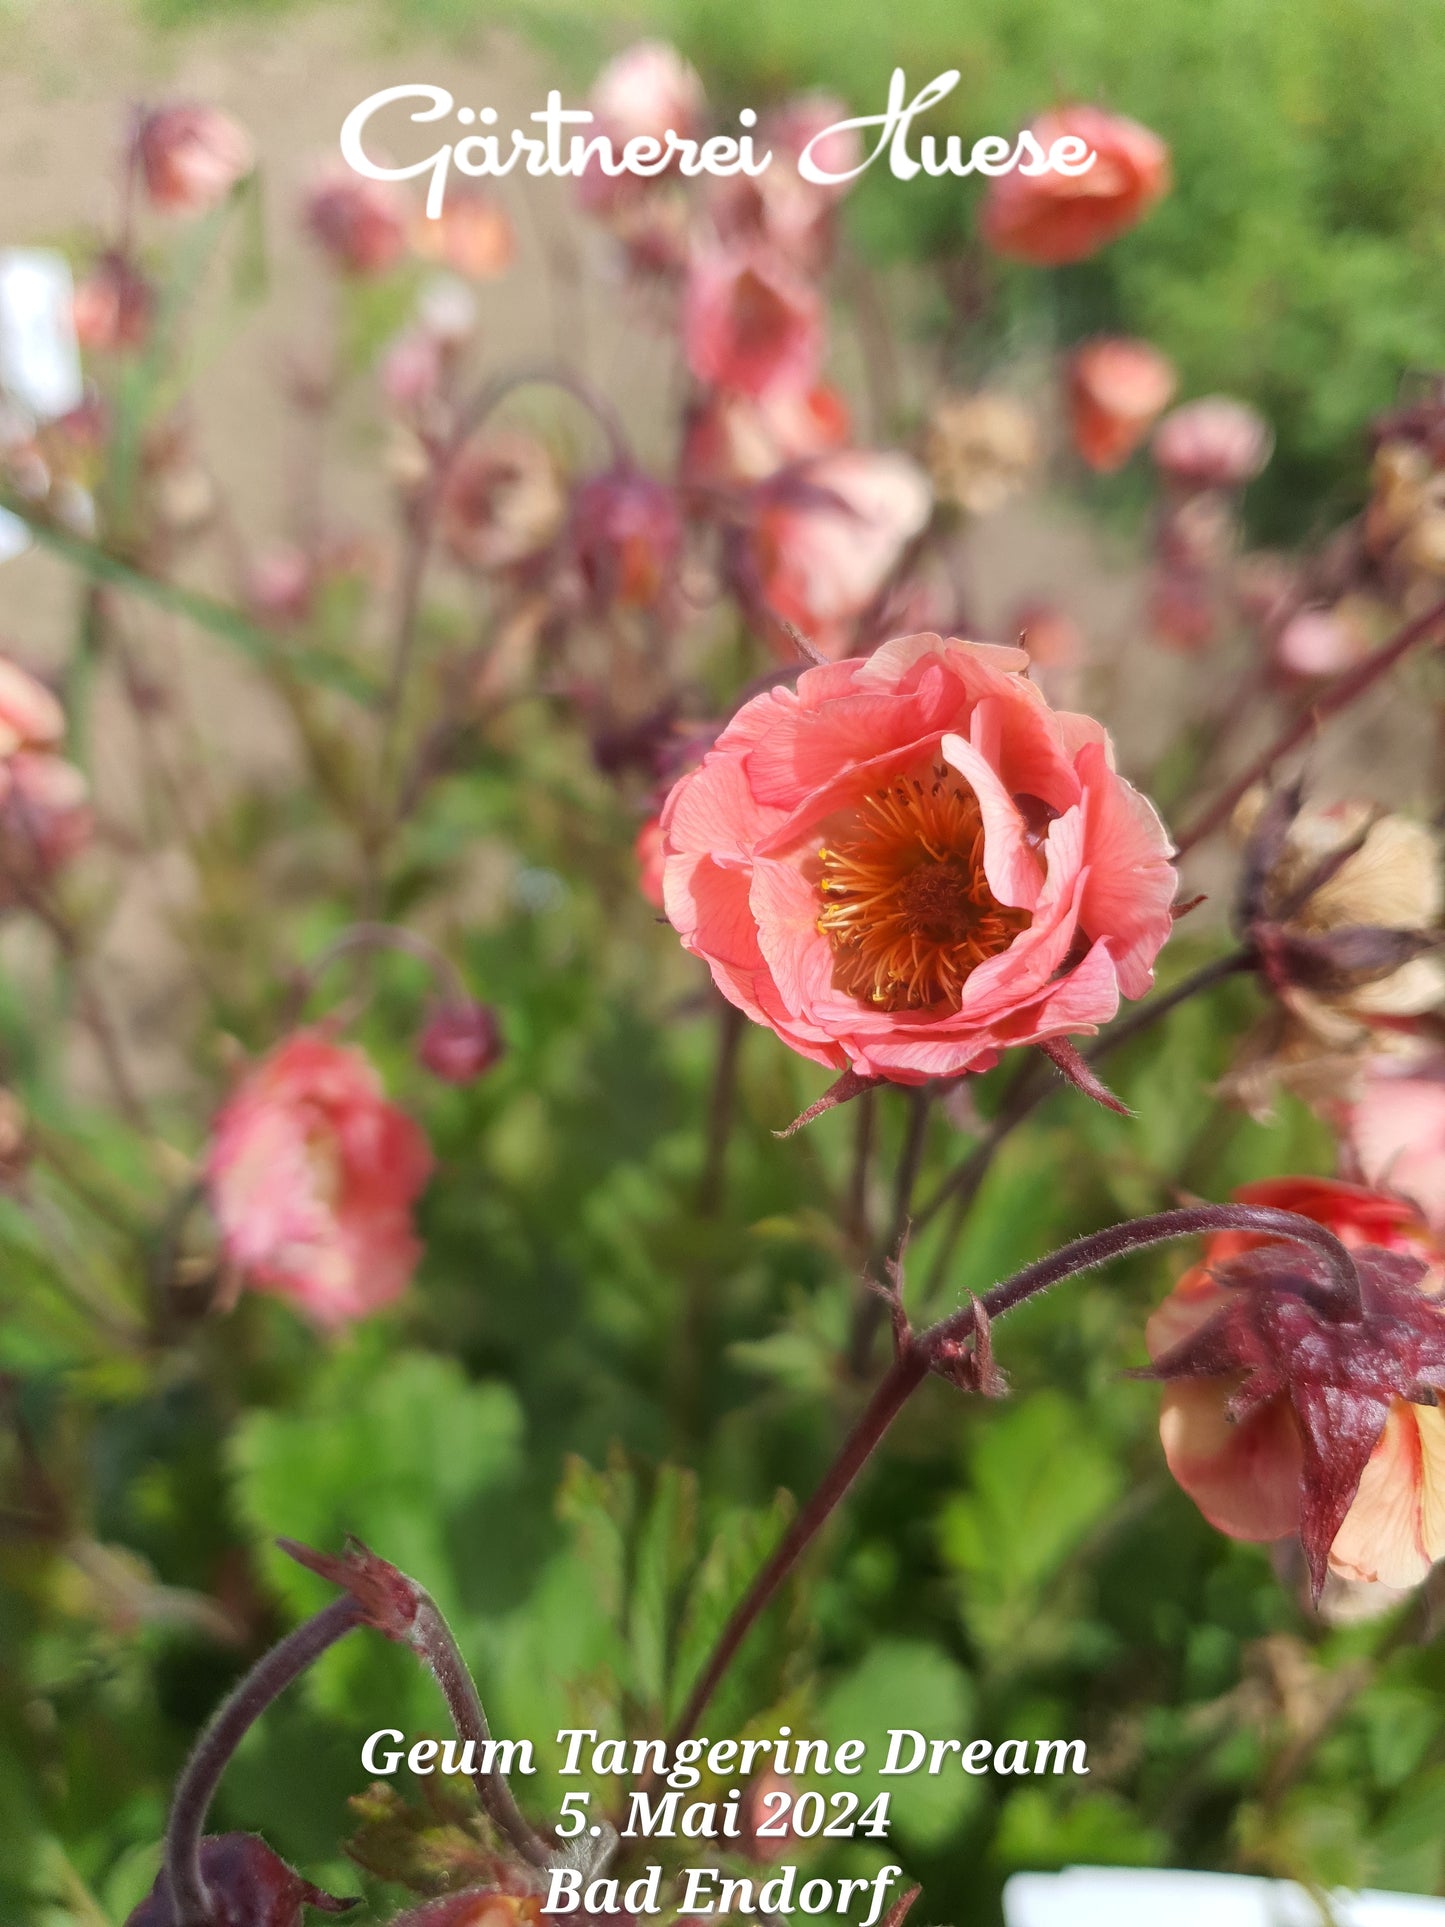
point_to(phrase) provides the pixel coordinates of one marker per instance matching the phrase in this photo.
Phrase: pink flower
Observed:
(30, 717)
(911, 863)
(644, 92)
(734, 438)
(112, 307)
(827, 536)
(1396, 1128)
(473, 235)
(358, 223)
(648, 853)
(1278, 1419)
(778, 206)
(1117, 387)
(1052, 218)
(312, 1176)
(1216, 442)
(750, 324)
(461, 1041)
(191, 156)
(1320, 642)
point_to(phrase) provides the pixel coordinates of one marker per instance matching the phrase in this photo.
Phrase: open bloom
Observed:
(502, 503)
(312, 1176)
(1117, 387)
(1284, 1414)
(750, 323)
(1216, 442)
(910, 863)
(827, 536)
(734, 438)
(1053, 218)
(191, 156)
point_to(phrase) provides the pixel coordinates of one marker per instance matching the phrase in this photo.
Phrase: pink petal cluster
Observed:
(1052, 218)
(191, 156)
(312, 1175)
(45, 813)
(750, 324)
(1117, 387)
(826, 539)
(1078, 857)
(1396, 1128)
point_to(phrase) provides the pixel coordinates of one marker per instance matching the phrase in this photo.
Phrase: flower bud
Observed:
(1116, 389)
(358, 223)
(191, 157)
(502, 504)
(246, 1886)
(1051, 218)
(112, 307)
(1213, 443)
(460, 1042)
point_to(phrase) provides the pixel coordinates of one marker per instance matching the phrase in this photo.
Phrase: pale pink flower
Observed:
(112, 307)
(828, 536)
(750, 323)
(1320, 642)
(645, 91)
(30, 716)
(779, 206)
(45, 815)
(911, 863)
(737, 438)
(312, 1175)
(1117, 388)
(191, 156)
(1052, 218)
(1396, 1128)
(1216, 442)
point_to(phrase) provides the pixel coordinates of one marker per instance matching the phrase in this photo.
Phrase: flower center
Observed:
(906, 906)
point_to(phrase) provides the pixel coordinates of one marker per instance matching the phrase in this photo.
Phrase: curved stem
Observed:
(924, 1352)
(366, 937)
(1336, 696)
(197, 1785)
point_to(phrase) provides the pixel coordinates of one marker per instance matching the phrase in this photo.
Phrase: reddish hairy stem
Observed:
(923, 1352)
(196, 1788)
(1339, 694)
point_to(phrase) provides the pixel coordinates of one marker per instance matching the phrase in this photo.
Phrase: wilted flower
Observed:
(246, 1885)
(627, 537)
(1404, 522)
(1396, 1129)
(911, 863)
(734, 438)
(312, 1175)
(826, 536)
(750, 323)
(1286, 1411)
(461, 1041)
(1213, 443)
(981, 450)
(1052, 218)
(1117, 387)
(1340, 905)
(358, 223)
(647, 851)
(502, 502)
(473, 236)
(112, 307)
(191, 156)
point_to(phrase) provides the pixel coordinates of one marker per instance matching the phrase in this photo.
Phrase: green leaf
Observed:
(908, 1684)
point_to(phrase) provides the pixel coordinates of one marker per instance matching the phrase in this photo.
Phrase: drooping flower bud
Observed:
(1116, 389)
(112, 307)
(461, 1042)
(358, 223)
(751, 324)
(1216, 442)
(246, 1886)
(191, 156)
(627, 537)
(1290, 1410)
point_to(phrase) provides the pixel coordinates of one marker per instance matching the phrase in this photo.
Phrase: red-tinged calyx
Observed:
(246, 1885)
(1284, 1334)
(389, 1601)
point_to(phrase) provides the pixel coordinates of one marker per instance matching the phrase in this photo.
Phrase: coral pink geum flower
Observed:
(750, 323)
(312, 1175)
(1285, 1412)
(826, 537)
(1117, 387)
(191, 156)
(1052, 218)
(910, 863)
(733, 438)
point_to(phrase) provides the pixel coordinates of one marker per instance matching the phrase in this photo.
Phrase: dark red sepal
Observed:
(387, 1597)
(1066, 1059)
(246, 1886)
(1286, 1333)
(842, 1091)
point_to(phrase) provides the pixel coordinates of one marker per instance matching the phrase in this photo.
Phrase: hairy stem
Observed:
(196, 1788)
(922, 1352)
